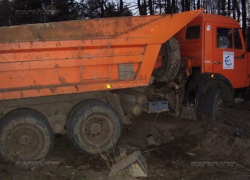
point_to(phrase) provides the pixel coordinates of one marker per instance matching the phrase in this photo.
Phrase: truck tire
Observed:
(75, 109)
(213, 106)
(94, 128)
(171, 60)
(25, 134)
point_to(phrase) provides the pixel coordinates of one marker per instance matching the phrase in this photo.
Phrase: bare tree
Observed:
(5, 13)
(218, 7)
(228, 8)
(173, 6)
(169, 8)
(223, 7)
(150, 5)
(198, 4)
(187, 5)
(102, 6)
(142, 7)
(121, 7)
(183, 5)
(139, 7)
(236, 7)
(244, 16)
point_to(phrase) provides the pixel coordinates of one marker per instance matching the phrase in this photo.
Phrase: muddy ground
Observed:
(186, 143)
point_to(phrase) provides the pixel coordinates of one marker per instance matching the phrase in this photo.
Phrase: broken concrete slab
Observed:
(134, 164)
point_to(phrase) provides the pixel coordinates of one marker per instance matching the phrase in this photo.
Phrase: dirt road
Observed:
(190, 147)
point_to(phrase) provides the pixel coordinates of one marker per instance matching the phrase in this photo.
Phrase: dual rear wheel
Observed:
(92, 126)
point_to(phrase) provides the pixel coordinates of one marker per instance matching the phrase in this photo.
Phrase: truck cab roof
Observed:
(214, 18)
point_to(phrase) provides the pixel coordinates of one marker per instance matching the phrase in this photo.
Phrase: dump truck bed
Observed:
(82, 56)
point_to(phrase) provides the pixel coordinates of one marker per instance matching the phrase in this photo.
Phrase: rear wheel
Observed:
(171, 61)
(94, 128)
(213, 106)
(25, 134)
(77, 108)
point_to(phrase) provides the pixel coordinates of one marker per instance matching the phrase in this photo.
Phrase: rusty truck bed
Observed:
(82, 56)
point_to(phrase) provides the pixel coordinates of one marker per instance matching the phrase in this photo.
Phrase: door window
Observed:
(224, 38)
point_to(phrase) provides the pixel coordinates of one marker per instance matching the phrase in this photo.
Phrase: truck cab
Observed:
(214, 53)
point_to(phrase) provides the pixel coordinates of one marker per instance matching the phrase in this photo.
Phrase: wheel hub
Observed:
(24, 139)
(95, 128)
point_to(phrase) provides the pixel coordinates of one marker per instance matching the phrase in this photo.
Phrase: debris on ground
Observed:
(162, 138)
(134, 165)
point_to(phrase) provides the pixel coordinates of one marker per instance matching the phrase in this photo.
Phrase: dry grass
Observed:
(116, 154)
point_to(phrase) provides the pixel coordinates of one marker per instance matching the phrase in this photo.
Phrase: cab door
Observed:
(228, 59)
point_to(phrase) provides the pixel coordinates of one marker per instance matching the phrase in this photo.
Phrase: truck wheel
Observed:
(171, 60)
(94, 128)
(213, 106)
(75, 109)
(25, 134)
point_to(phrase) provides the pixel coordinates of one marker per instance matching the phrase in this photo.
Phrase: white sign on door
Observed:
(228, 60)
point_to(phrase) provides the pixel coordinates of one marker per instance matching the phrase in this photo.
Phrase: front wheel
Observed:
(213, 107)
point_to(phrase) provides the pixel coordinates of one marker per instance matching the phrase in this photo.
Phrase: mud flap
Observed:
(189, 112)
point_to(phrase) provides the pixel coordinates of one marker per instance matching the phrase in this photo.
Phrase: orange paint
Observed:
(82, 56)
(203, 51)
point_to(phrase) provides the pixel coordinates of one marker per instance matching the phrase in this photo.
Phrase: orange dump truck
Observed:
(86, 78)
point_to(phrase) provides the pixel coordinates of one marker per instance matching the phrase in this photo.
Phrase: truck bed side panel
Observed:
(82, 56)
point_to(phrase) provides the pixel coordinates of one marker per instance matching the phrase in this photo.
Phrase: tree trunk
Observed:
(187, 5)
(165, 5)
(173, 6)
(160, 8)
(237, 10)
(144, 7)
(244, 17)
(140, 7)
(169, 8)
(150, 5)
(121, 7)
(198, 4)
(233, 8)
(228, 8)
(183, 5)
(219, 8)
(5, 13)
(223, 7)
(101, 4)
